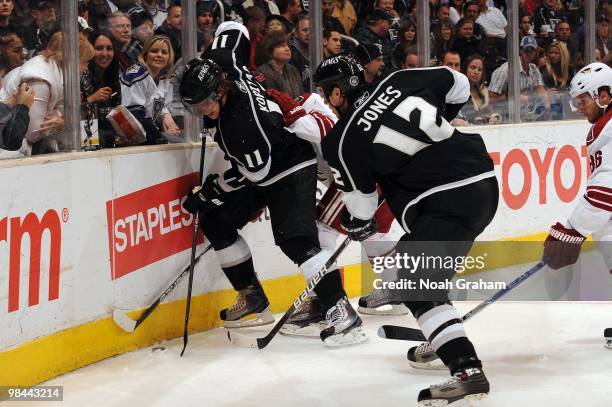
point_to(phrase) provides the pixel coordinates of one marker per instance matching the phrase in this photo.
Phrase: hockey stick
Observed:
(120, 316)
(260, 343)
(194, 243)
(403, 333)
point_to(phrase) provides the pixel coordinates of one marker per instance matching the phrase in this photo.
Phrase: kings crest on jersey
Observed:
(250, 128)
(399, 128)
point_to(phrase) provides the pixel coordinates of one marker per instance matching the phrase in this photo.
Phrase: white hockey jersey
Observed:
(593, 213)
(139, 90)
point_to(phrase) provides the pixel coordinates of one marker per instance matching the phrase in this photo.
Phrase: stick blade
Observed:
(123, 321)
(242, 341)
(401, 333)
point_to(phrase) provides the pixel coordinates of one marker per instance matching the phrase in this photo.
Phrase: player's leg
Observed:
(292, 206)
(221, 226)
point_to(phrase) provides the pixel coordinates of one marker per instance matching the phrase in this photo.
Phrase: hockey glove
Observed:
(290, 108)
(562, 246)
(203, 199)
(357, 229)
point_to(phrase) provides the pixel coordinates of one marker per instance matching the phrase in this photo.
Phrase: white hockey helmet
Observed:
(590, 79)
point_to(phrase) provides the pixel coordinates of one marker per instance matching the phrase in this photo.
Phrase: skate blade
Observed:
(433, 365)
(353, 337)
(608, 344)
(464, 402)
(385, 310)
(258, 319)
(308, 331)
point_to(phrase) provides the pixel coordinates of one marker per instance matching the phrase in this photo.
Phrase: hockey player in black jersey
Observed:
(269, 167)
(439, 184)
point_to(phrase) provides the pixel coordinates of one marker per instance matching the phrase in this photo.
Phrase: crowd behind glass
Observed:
(130, 58)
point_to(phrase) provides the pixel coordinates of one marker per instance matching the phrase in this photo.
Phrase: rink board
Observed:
(84, 233)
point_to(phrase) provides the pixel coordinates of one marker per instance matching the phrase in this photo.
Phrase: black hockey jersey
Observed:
(250, 128)
(397, 135)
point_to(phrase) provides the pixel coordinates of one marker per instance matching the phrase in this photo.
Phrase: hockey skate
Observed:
(251, 308)
(379, 302)
(309, 320)
(466, 384)
(424, 357)
(343, 326)
(608, 336)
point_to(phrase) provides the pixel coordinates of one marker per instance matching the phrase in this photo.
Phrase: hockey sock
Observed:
(443, 327)
(329, 289)
(237, 264)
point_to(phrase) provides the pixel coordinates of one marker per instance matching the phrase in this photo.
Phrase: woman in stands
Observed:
(557, 73)
(478, 110)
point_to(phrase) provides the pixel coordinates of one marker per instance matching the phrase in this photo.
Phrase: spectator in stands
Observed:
(142, 29)
(275, 23)
(300, 49)
(146, 90)
(441, 42)
(492, 21)
(370, 57)
(556, 76)
(411, 60)
(329, 21)
(6, 14)
(278, 73)
(375, 31)
(43, 74)
(83, 11)
(331, 42)
(464, 41)
(407, 38)
(158, 14)
(530, 82)
(388, 6)
(598, 54)
(254, 21)
(206, 14)
(289, 12)
(546, 18)
(563, 34)
(602, 37)
(455, 12)
(452, 59)
(44, 24)
(120, 28)
(14, 121)
(100, 85)
(346, 14)
(11, 46)
(471, 10)
(442, 16)
(525, 27)
(478, 110)
(101, 10)
(266, 6)
(171, 28)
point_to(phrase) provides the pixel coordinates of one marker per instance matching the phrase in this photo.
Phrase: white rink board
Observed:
(76, 194)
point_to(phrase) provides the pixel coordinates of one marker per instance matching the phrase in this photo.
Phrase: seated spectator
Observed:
(101, 10)
(120, 28)
(556, 75)
(171, 28)
(563, 33)
(455, 12)
(278, 73)
(464, 41)
(442, 42)
(534, 100)
(289, 10)
(142, 29)
(411, 60)
(6, 17)
(525, 26)
(275, 23)
(14, 121)
(44, 24)
(43, 74)
(100, 85)
(300, 49)
(254, 21)
(492, 21)
(158, 14)
(370, 57)
(146, 90)
(207, 14)
(11, 46)
(407, 38)
(602, 37)
(471, 10)
(452, 59)
(478, 110)
(389, 7)
(329, 21)
(332, 44)
(375, 31)
(442, 16)
(268, 7)
(346, 14)
(546, 18)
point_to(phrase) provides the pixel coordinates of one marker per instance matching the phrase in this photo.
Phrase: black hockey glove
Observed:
(562, 246)
(203, 199)
(357, 229)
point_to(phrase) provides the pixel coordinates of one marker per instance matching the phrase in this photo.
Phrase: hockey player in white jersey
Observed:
(590, 93)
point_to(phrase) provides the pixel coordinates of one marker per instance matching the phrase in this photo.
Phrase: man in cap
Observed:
(370, 57)
(44, 25)
(376, 31)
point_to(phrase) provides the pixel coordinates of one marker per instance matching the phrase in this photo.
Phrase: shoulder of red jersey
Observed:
(600, 126)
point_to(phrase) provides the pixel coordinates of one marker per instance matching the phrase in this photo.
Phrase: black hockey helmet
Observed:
(342, 71)
(200, 81)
